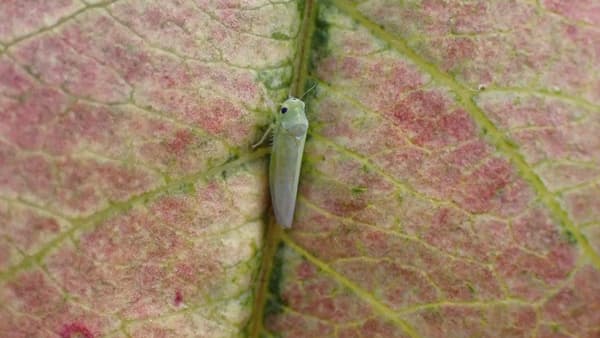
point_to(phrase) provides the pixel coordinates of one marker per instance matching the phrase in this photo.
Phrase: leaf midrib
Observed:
(273, 231)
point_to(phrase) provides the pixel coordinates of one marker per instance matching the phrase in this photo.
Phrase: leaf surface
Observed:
(449, 186)
(130, 204)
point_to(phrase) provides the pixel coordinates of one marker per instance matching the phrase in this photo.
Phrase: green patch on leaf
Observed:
(186, 188)
(570, 237)
(517, 101)
(301, 4)
(276, 78)
(275, 302)
(309, 134)
(358, 190)
(232, 157)
(512, 144)
(320, 38)
(280, 36)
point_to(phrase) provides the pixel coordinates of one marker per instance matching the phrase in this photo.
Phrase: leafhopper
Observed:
(289, 135)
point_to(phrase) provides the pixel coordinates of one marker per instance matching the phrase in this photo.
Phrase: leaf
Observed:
(438, 190)
(449, 188)
(125, 154)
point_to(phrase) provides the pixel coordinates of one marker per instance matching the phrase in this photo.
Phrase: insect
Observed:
(289, 135)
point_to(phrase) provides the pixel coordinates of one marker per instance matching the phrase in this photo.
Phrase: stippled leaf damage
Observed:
(450, 186)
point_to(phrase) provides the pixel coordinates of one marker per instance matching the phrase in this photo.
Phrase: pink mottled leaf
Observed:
(450, 186)
(130, 205)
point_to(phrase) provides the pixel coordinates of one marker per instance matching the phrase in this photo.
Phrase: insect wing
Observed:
(284, 173)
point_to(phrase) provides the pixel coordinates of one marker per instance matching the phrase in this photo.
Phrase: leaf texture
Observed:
(450, 183)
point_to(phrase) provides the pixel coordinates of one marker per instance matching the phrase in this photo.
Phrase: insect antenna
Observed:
(308, 91)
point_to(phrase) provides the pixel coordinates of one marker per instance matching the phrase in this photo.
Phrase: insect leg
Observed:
(262, 139)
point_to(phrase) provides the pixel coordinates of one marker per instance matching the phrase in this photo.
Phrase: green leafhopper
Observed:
(289, 135)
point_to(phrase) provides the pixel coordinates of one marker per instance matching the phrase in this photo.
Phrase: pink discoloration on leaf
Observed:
(326, 301)
(526, 37)
(298, 325)
(181, 141)
(178, 300)
(558, 176)
(39, 107)
(576, 307)
(57, 64)
(13, 80)
(512, 321)
(493, 188)
(32, 293)
(21, 326)
(461, 281)
(111, 117)
(85, 185)
(141, 286)
(535, 231)
(372, 326)
(338, 247)
(170, 25)
(18, 20)
(584, 203)
(527, 275)
(382, 82)
(415, 288)
(27, 229)
(449, 187)
(215, 115)
(75, 330)
(412, 202)
(584, 10)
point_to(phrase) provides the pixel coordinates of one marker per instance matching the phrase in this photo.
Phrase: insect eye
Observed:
(284, 110)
